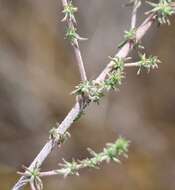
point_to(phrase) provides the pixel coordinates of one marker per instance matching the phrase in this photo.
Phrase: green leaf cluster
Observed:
(69, 11)
(163, 10)
(148, 63)
(90, 89)
(95, 91)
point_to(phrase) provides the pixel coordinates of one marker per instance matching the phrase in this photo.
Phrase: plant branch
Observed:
(112, 152)
(135, 64)
(136, 5)
(127, 47)
(71, 22)
(77, 109)
(32, 186)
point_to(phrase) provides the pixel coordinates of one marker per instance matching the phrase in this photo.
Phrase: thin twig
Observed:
(126, 49)
(32, 186)
(136, 5)
(111, 152)
(76, 48)
(136, 64)
(76, 110)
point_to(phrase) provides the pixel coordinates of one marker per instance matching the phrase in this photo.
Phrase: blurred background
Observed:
(37, 73)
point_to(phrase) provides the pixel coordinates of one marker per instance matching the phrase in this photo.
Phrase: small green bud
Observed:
(118, 63)
(90, 89)
(69, 11)
(114, 80)
(148, 63)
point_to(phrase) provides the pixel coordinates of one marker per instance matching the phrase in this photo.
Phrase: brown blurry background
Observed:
(37, 73)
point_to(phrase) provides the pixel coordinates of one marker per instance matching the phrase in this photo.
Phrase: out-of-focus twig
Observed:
(32, 186)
